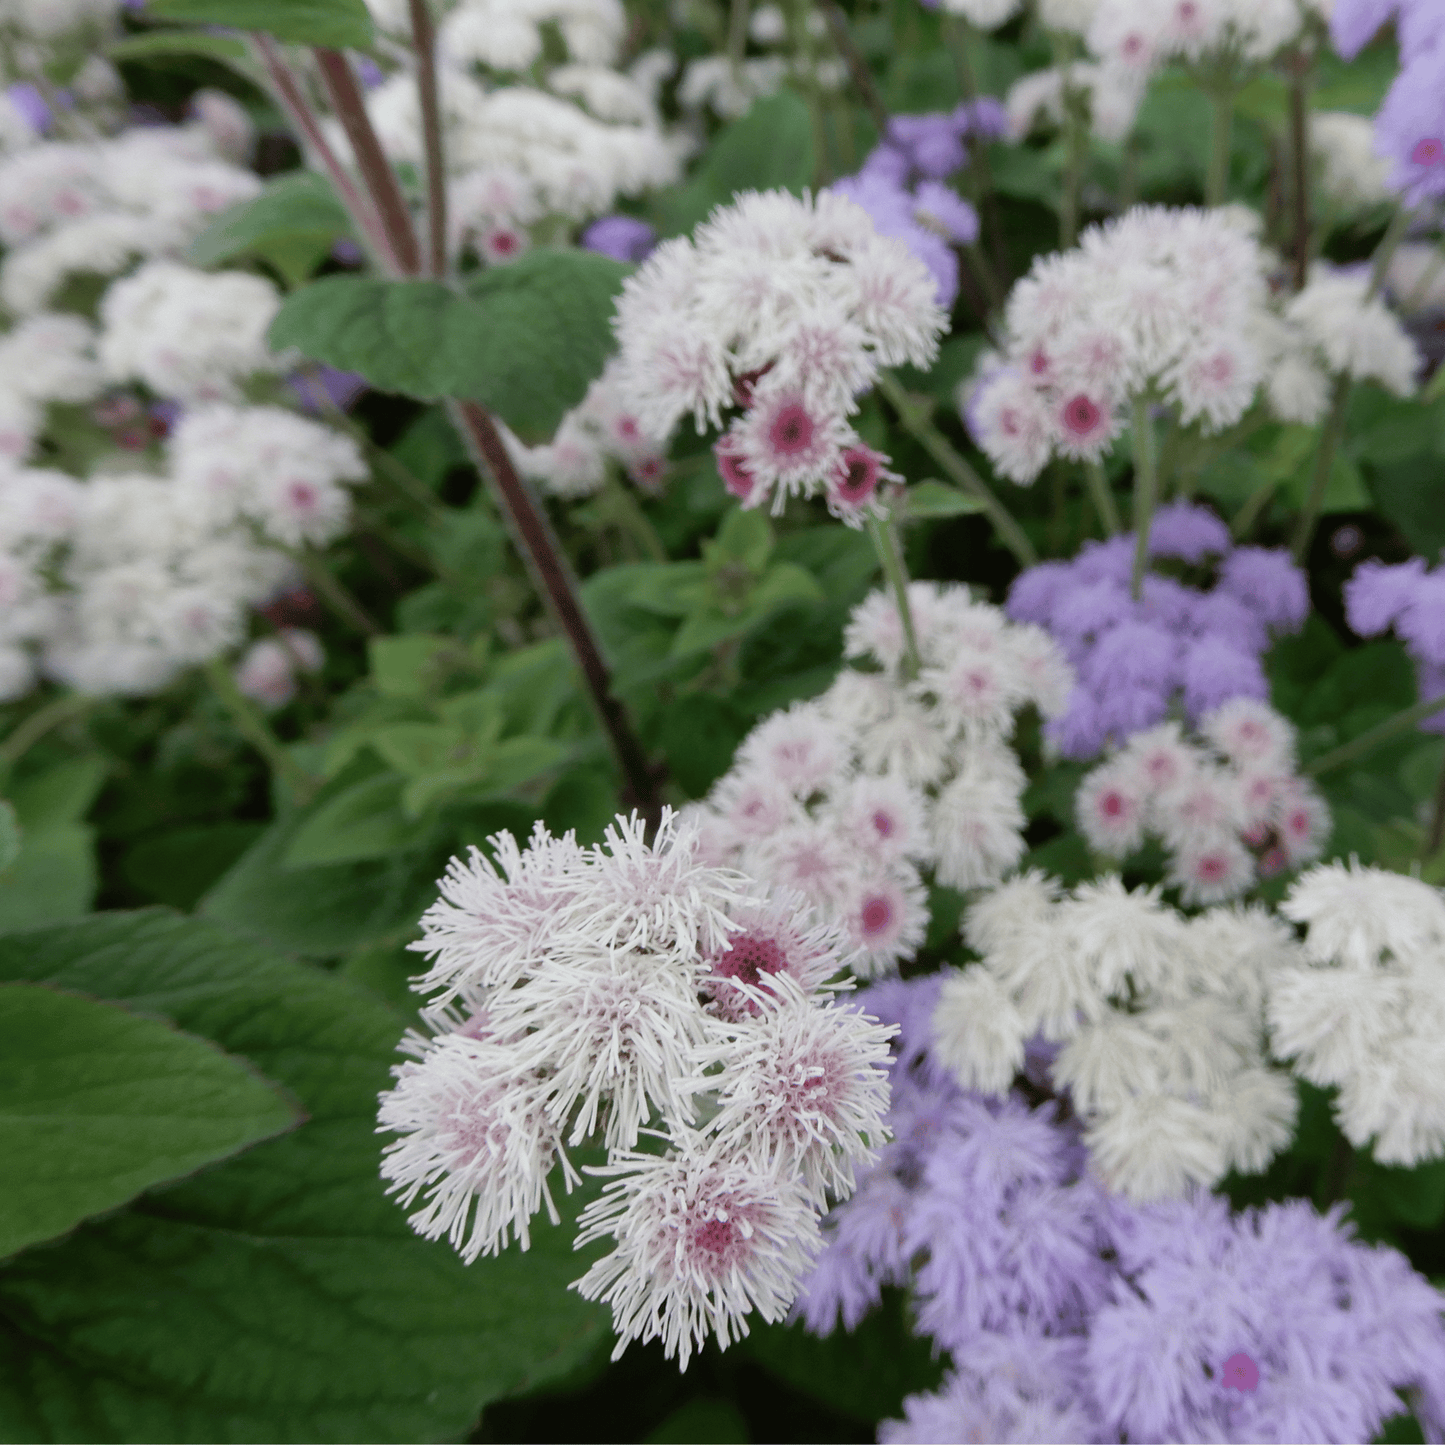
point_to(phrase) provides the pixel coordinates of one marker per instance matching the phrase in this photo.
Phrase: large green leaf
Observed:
(53, 878)
(341, 24)
(97, 1105)
(524, 339)
(363, 821)
(293, 223)
(150, 43)
(280, 1295)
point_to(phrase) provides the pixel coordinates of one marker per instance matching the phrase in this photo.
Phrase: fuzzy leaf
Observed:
(97, 1105)
(341, 24)
(524, 339)
(225, 48)
(364, 821)
(280, 1295)
(297, 217)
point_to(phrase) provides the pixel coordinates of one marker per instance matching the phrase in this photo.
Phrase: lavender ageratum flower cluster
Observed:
(602, 994)
(1229, 809)
(901, 186)
(1364, 1010)
(783, 309)
(850, 797)
(1160, 1019)
(1052, 1296)
(1193, 646)
(1410, 125)
(1174, 306)
(1410, 600)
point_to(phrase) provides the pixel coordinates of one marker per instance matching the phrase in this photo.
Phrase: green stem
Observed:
(630, 517)
(887, 544)
(857, 66)
(1436, 835)
(1146, 490)
(1102, 496)
(1385, 251)
(408, 485)
(1249, 513)
(959, 35)
(805, 60)
(1381, 733)
(1222, 99)
(334, 594)
(738, 37)
(916, 419)
(1076, 131)
(253, 726)
(1334, 429)
(1299, 133)
(41, 721)
(1337, 1172)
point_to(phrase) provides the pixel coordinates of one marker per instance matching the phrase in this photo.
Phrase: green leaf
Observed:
(61, 793)
(324, 911)
(417, 748)
(525, 340)
(1408, 493)
(280, 1295)
(177, 866)
(744, 537)
(362, 821)
(10, 835)
(716, 1422)
(937, 499)
(699, 735)
(293, 223)
(53, 878)
(341, 24)
(406, 666)
(224, 48)
(97, 1105)
(771, 147)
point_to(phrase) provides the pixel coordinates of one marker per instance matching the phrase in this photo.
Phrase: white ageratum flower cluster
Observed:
(271, 666)
(1111, 93)
(1363, 1011)
(1229, 807)
(116, 584)
(1158, 1022)
(624, 993)
(187, 334)
(600, 430)
(95, 207)
(525, 155)
(1141, 36)
(1174, 305)
(853, 797)
(48, 357)
(784, 309)
(1342, 147)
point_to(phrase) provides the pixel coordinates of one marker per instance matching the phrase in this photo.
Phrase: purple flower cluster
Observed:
(1072, 1315)
(1133, 658)
(1410, 126)
(1411, 600)
(624, 238)
(901, 185)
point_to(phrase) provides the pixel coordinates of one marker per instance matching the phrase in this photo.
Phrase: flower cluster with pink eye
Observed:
(633, 997)
(780, 311)
(1229, 808)
(1171, 307)
(853, 797)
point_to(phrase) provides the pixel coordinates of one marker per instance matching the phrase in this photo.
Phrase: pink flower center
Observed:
(883, 823)
(1212, 868)
(1039, 361)
(1081, 415)
(738, 480)
(1240, 1373)
(876, 917)
(1430, 151)
(714, 1237)
(751, 955)
(627, 428)
(1111, 805)
(857, 478)
(791, 430)
(504, 243)
(302, 496)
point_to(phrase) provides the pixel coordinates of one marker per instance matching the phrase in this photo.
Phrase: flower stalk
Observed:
(889, 546)
(254, 727)
(424, 41)
(1368, 741)
(1146, 491)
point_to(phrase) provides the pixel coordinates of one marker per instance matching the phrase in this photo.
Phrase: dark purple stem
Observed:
(424, 39)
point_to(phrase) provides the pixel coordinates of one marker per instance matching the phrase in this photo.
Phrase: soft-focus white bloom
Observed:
(186, 333)
(1356, 334)
(1173, 302)
(986, 14)
(1161, 1019)
(1416, 277)
(267, 672)
(1352, 176)
(1144, 34)
(1111, 92)
(846, 798)
(1366, 1013)
(1229, 808)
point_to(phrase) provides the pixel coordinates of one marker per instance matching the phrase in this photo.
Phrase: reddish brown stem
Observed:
(424, 39)
(350, 107)
(539, 547)
(857, 66)
(298, 109)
